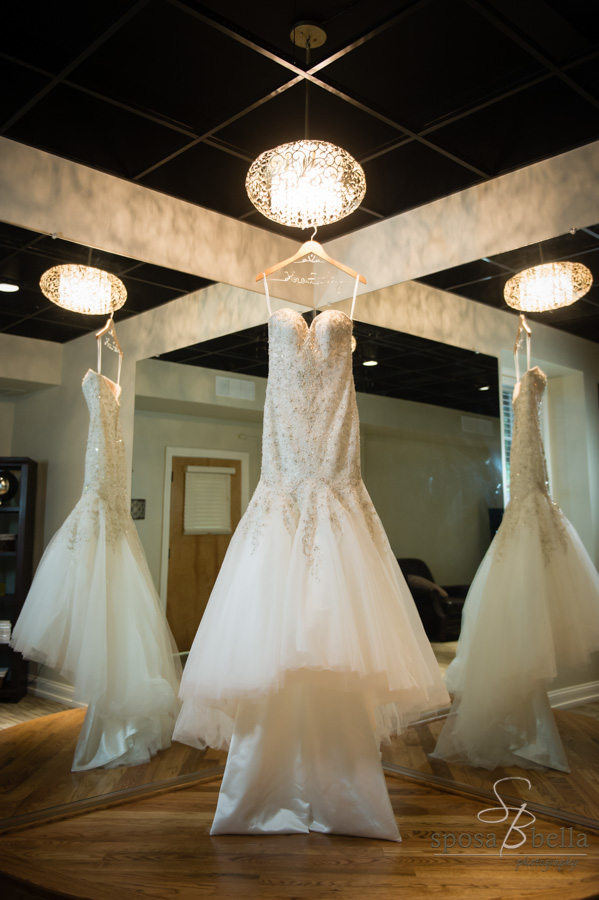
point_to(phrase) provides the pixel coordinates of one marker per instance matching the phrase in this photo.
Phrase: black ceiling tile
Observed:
(216, 361)
(543, 120)
(437, 62)
(224, 344)
(587, 75)
(583, 326)
(580, 14)
(58, 332)
(575, 312)
(142, 296)
(557, 33)
(84, 129)
(459, 275)
(6, 320)
(51, 35)
(489, 292)
(56, 315)
(564, 246)
(205, 176)
(343, 23)
(412, 176)
(330, 119)
(24, 84)
(185, 355)
(13, 238)
(25, 302)
(182, 282)
(167, 63)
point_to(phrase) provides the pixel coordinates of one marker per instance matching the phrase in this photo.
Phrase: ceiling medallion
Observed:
(83, 289)
(548, 286)
(306, 183)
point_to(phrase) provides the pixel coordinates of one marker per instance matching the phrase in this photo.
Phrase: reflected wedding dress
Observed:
(311, 649)
(532, 608)
(92, 611)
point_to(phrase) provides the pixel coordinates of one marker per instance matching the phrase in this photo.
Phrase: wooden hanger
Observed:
(523, 329)
(109, 328)
(318, 250)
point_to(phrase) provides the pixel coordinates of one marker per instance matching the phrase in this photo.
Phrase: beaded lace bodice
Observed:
(528, 469)
(529, 484)
(311, 429)
(105, 484)
(311, 437)
(105, 455)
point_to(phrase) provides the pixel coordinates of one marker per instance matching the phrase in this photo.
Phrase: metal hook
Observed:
(314, 232)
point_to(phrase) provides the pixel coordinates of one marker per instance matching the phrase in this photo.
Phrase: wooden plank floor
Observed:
(575, 793)
(160, 848)
(28, 707)
(36, 759)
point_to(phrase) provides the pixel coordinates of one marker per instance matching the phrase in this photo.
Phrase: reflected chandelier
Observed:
(548, 286)
(83, 289)
(306, 183)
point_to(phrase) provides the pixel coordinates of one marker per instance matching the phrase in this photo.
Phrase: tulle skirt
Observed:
(532, 609)
(336, 613)
(93, 614)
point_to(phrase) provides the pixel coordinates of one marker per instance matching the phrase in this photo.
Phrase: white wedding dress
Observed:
(92, 611)
(311, 649)
(532, 608)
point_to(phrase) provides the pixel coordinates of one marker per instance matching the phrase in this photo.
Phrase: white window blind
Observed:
(207, 503)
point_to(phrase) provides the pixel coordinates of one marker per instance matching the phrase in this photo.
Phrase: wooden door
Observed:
(194, 560)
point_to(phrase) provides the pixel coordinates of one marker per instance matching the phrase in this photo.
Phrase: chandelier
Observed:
(83, 289)
(548, 286)
(306, 183)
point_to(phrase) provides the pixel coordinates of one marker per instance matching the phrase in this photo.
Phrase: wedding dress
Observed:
(532, 608)
(92, 611)
(311, 649)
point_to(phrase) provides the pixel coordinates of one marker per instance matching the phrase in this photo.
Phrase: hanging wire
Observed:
(307, 91)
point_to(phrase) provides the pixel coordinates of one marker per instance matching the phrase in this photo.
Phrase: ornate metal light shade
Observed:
(306, 183)
(548, 286)
(83, 289)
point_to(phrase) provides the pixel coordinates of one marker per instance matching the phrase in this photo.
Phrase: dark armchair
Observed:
(441, 616)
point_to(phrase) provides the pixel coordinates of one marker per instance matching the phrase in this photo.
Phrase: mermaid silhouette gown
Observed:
(92, 611)
(532, 608)
(311, 649)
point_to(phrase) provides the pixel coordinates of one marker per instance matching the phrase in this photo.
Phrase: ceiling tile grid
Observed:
(432, 96)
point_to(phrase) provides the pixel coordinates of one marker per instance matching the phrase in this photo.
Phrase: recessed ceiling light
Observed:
(370, 362)
(8, 286)
(485, 387)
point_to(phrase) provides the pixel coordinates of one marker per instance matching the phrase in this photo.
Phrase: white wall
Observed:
(568, 449)
(431, 482)
(7, 420)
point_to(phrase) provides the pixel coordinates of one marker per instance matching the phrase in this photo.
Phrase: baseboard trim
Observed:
(574, 694)
(53, 690)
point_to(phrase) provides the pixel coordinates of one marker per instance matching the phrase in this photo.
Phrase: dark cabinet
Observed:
(18, 478)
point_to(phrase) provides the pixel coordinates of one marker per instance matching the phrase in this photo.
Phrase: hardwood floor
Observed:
(35, 769)
(160, 848)
(29, 707)
(36, 777)
(575, 795)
